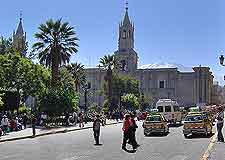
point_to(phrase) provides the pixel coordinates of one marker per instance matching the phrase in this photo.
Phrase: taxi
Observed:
(155, 123)
(197, 123)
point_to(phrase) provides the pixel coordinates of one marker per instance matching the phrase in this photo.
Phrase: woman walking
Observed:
(127, 132)
(132, 139)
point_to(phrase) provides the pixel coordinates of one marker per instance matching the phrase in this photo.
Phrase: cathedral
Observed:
(187, 88)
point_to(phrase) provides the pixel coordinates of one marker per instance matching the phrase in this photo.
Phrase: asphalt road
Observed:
(78, 145)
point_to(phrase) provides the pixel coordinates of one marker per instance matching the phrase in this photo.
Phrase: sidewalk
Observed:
(27, 133)
(218, 152)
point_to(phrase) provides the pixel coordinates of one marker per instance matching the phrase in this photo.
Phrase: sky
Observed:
(187, 32)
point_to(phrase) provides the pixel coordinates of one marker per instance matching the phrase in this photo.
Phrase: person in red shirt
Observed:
(126, 130)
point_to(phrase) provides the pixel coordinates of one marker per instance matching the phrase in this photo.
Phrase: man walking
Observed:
(220, 117)
(5, 124)
(96, 129)
(25, 119)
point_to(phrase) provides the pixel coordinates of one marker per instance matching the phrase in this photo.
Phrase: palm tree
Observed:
(108, 63)
(78, 74)
(56, 42)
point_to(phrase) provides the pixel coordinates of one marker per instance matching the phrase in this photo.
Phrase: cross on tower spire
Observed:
(126, 4)
(20, 15)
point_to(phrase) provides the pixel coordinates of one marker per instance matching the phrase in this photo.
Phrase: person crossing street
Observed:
(96, 129)
(220, 119)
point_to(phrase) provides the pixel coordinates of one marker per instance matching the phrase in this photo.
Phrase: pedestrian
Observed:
(25, 119)
(126, 131)
(96, 129)
(132, 136)
(81, 120)
(5, 124)
(220, 119)
(33, 123)
(75, 118)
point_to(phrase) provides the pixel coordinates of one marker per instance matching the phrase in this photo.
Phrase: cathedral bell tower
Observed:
(19, 39)
(125, 54)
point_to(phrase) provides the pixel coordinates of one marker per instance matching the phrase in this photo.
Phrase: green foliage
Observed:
(108, 62)
(6, 46)
(130, 102)
(122, 85)
(24, 109)
(56, 43)
(22, 75)
(66, 79)
(11, 100)
(55, 102)
(78, 74)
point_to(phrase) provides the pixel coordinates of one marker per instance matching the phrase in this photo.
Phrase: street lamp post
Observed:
(87, 86)
(222, 61)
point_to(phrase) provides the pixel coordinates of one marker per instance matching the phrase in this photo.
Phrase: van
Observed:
(170, 110)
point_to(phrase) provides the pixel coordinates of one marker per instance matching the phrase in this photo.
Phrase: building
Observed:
(187, 88)
(218, 94)
(19, 39)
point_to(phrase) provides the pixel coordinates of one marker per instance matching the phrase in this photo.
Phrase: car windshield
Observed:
(194, 118)
(154, 119)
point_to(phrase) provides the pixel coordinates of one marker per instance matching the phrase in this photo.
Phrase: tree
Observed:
(22, 76)
(122, 85)
(78, 74)
(108, 62)
(57, 101)
(6, 46)
(56, 43)
(66, 79)
(130, 102)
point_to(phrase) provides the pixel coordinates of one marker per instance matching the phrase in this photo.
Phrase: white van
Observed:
(170, 109)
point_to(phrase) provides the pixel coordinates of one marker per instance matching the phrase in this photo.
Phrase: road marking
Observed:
(210, 147)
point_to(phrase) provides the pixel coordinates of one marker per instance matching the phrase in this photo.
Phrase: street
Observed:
(78, 145)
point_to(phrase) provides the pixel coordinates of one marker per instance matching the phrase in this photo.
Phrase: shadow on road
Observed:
(130, 151)
(175, 125)
(157, 135)
(195, 136)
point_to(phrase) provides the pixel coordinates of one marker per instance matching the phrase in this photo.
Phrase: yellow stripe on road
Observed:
(210, 147)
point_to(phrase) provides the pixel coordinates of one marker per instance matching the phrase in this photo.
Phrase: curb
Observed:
(211, 145)
(52, 132)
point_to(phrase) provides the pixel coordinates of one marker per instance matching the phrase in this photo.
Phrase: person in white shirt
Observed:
(5, 124)
(220, 119)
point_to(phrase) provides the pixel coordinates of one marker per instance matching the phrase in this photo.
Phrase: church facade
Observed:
(187, 88)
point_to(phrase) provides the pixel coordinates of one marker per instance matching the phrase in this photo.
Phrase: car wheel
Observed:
(185, 136)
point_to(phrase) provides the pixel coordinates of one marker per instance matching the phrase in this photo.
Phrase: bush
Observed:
(130, 102)
(55, 102)
(24, 109)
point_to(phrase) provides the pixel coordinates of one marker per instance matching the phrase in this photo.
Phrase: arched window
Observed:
(124, 34)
